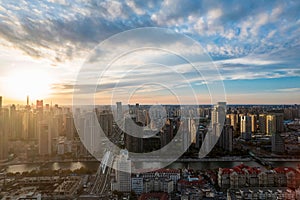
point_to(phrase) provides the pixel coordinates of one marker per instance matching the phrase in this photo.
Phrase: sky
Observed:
(44, 45)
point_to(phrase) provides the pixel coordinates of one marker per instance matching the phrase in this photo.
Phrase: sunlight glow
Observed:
(19, 84)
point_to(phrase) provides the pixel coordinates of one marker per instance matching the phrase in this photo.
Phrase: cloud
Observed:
(248, 40)
(288, 90)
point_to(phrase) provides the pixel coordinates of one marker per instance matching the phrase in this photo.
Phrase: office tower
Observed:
(0, 102)
(123, 173)
(119, 111)
(44, 138)
(253, 123)
(271, 124)
(245, 126)
(262, 123)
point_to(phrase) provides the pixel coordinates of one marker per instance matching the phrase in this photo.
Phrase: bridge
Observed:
(103, 175)
(260, 160)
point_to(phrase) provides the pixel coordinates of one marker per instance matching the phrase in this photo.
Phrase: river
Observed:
(93, 165)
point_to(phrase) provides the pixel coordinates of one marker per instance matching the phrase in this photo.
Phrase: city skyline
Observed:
(131, 99)
(43, 45)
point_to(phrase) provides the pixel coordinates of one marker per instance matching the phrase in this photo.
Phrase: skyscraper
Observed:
(167, 133)
(4, 125)
(262, 123)
(105, 119)
(44, 138)
(253, 123)
(279, 122)
(132, 142)
(90, 132)
(226, 139)
(271, 124)
(246, 127)
(119, 111)
(70, 128)
(277, 143)
(123, 173)
(39, 105)
(218, 116)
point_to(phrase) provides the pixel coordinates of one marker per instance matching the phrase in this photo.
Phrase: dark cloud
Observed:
(62, 30)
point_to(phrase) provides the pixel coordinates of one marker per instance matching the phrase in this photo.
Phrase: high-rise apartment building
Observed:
(218, 117)
(245, 126)
(105, 119)
(262, 123)
(123, 172)
(233, 118)
(271, 124)
(226, 139)
(253, 123)
(278, 145)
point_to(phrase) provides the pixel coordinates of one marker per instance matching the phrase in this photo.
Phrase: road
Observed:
(101, 182)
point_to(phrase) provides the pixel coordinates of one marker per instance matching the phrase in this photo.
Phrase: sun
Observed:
(35, 83)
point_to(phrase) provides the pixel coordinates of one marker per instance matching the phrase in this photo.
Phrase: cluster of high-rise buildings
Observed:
(260, 123)
(50, 130)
